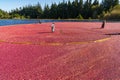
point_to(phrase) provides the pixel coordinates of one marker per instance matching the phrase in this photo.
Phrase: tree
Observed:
(62, 10)
(53, 11)
(46, 12)
(76, 8)
(116, 2)
(95, 9)
(80, 6)
(108, 4)
(87, 9)
(69, 5)
(3, 14)
(96, 2)
(38, 10)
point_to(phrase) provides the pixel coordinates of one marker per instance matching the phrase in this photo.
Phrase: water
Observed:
(4, 22)
(14, 22)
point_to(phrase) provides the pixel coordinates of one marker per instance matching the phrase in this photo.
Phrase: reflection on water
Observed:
(15, 21)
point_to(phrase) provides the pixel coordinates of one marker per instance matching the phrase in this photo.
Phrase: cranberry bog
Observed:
(75, 51)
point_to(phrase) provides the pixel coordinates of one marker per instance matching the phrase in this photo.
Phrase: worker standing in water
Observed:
(103, 24)
(53, 27)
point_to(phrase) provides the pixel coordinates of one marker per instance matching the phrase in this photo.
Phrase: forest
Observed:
(77, 9)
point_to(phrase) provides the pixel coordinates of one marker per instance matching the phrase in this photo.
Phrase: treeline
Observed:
(3, 14)
(77, 9)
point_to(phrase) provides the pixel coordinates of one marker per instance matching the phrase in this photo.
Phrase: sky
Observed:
(9, 5)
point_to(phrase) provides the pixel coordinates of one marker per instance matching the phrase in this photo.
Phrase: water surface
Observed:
(4, 22)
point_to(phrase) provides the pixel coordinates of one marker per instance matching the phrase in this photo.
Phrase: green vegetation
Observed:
(78, 9)
(3, 14)
(114, 14)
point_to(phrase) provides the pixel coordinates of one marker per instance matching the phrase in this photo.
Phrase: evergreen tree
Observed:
(87, 9)
(108, 4)
(95, 9)
(69, 9)
(46, 12)
(80, 7)
(116, 2)
(96, 2)
(62, 10)
(53, 11)
(38, 10)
